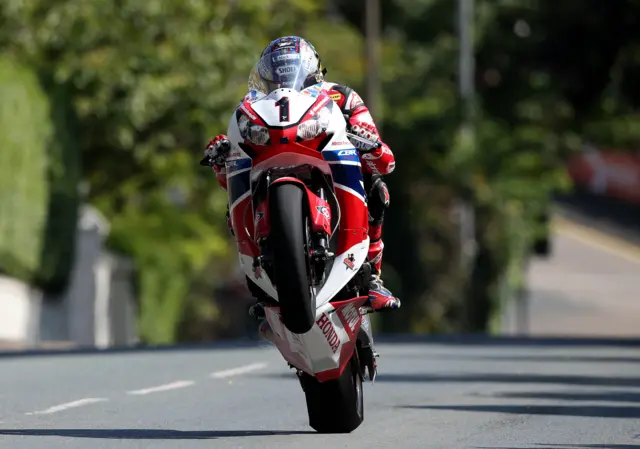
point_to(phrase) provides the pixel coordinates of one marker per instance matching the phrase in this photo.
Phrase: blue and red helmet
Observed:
(288, 62)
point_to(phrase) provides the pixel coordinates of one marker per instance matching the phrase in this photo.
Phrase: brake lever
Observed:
(373, 146)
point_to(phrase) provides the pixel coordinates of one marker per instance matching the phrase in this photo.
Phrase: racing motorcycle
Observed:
(299, 214)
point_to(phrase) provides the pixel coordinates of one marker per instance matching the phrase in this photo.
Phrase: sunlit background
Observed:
(112, 234)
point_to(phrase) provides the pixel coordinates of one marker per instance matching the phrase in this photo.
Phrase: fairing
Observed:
(315, 352)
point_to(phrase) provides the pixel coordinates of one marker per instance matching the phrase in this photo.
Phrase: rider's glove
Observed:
(217, 149)
(366, 131)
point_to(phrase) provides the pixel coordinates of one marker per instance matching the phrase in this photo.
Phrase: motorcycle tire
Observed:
(288, 223)
(335, 406)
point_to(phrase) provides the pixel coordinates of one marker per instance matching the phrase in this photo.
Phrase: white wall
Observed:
(98, 308)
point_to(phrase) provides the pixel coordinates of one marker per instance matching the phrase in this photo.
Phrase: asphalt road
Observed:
(447, 394)
(589, 286)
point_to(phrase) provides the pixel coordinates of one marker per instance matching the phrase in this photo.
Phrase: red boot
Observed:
(379, 296)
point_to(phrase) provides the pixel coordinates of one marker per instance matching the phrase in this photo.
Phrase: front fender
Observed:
(319, 209)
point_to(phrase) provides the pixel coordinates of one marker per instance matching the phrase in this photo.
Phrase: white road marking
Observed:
(68, 405)
(166, 387)
(238, 371)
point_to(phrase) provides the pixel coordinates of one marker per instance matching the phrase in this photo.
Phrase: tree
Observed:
(150, 82)
(38, 186)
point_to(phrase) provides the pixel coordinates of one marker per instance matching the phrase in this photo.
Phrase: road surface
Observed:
(590, 285)
(446, 394)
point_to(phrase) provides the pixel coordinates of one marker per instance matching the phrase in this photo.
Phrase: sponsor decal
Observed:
(312, 91)
(372, 166)
(349, 261)
(340, 142)
(285, 43)
(351, 316)
(285, 57)
(324, 210)
(347, 153)
(285, 70)
(320, 105)
(252, 96)
(325, 324)
(259, 216)
(335, 97)
(249, 114)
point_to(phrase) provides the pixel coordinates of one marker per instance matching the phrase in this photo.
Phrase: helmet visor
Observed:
(282, 69)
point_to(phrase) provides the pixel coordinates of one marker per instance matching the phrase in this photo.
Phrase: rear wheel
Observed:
(290, 259)
(335, 406)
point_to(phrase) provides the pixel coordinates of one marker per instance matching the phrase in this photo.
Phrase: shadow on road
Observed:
(569, 446)
(530, 358)
(607, 396)
(203, 346)
(503, 378)
(473, 340)
(506, 378)
(588, 411)
(470, 340)
(148, 434)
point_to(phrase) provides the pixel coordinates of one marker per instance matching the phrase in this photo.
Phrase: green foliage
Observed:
(64, 176)
(25, 130)
(143, 85)
(149, 83)
(38, 187)
(524, 127)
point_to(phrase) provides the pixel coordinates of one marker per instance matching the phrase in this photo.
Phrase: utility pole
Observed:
(372, 25)
(466, 86)
(466, 59)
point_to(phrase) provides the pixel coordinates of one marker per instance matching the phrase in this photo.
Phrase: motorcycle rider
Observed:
(374, 165)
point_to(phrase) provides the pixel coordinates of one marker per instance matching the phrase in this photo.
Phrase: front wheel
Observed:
(335, 406)
(290, 259)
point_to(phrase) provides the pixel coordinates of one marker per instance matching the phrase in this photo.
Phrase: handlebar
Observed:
(363, 145)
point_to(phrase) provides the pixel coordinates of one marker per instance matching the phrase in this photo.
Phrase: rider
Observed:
(374, 165)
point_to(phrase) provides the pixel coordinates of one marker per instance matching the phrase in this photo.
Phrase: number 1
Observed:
(283, 104)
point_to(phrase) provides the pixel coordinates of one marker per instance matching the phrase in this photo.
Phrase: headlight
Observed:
(257, 134)
(315, 126)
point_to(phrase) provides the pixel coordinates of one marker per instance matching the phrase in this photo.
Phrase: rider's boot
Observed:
(380, 298)
(257, 312)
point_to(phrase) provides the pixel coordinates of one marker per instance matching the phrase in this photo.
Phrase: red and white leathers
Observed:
(374, 165)
(381, 161)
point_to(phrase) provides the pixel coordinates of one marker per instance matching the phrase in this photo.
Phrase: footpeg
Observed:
(257, 311)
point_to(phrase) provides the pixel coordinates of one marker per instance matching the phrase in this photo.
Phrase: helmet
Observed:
(287, 62)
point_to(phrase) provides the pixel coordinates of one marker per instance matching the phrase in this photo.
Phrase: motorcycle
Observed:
(299, 214)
